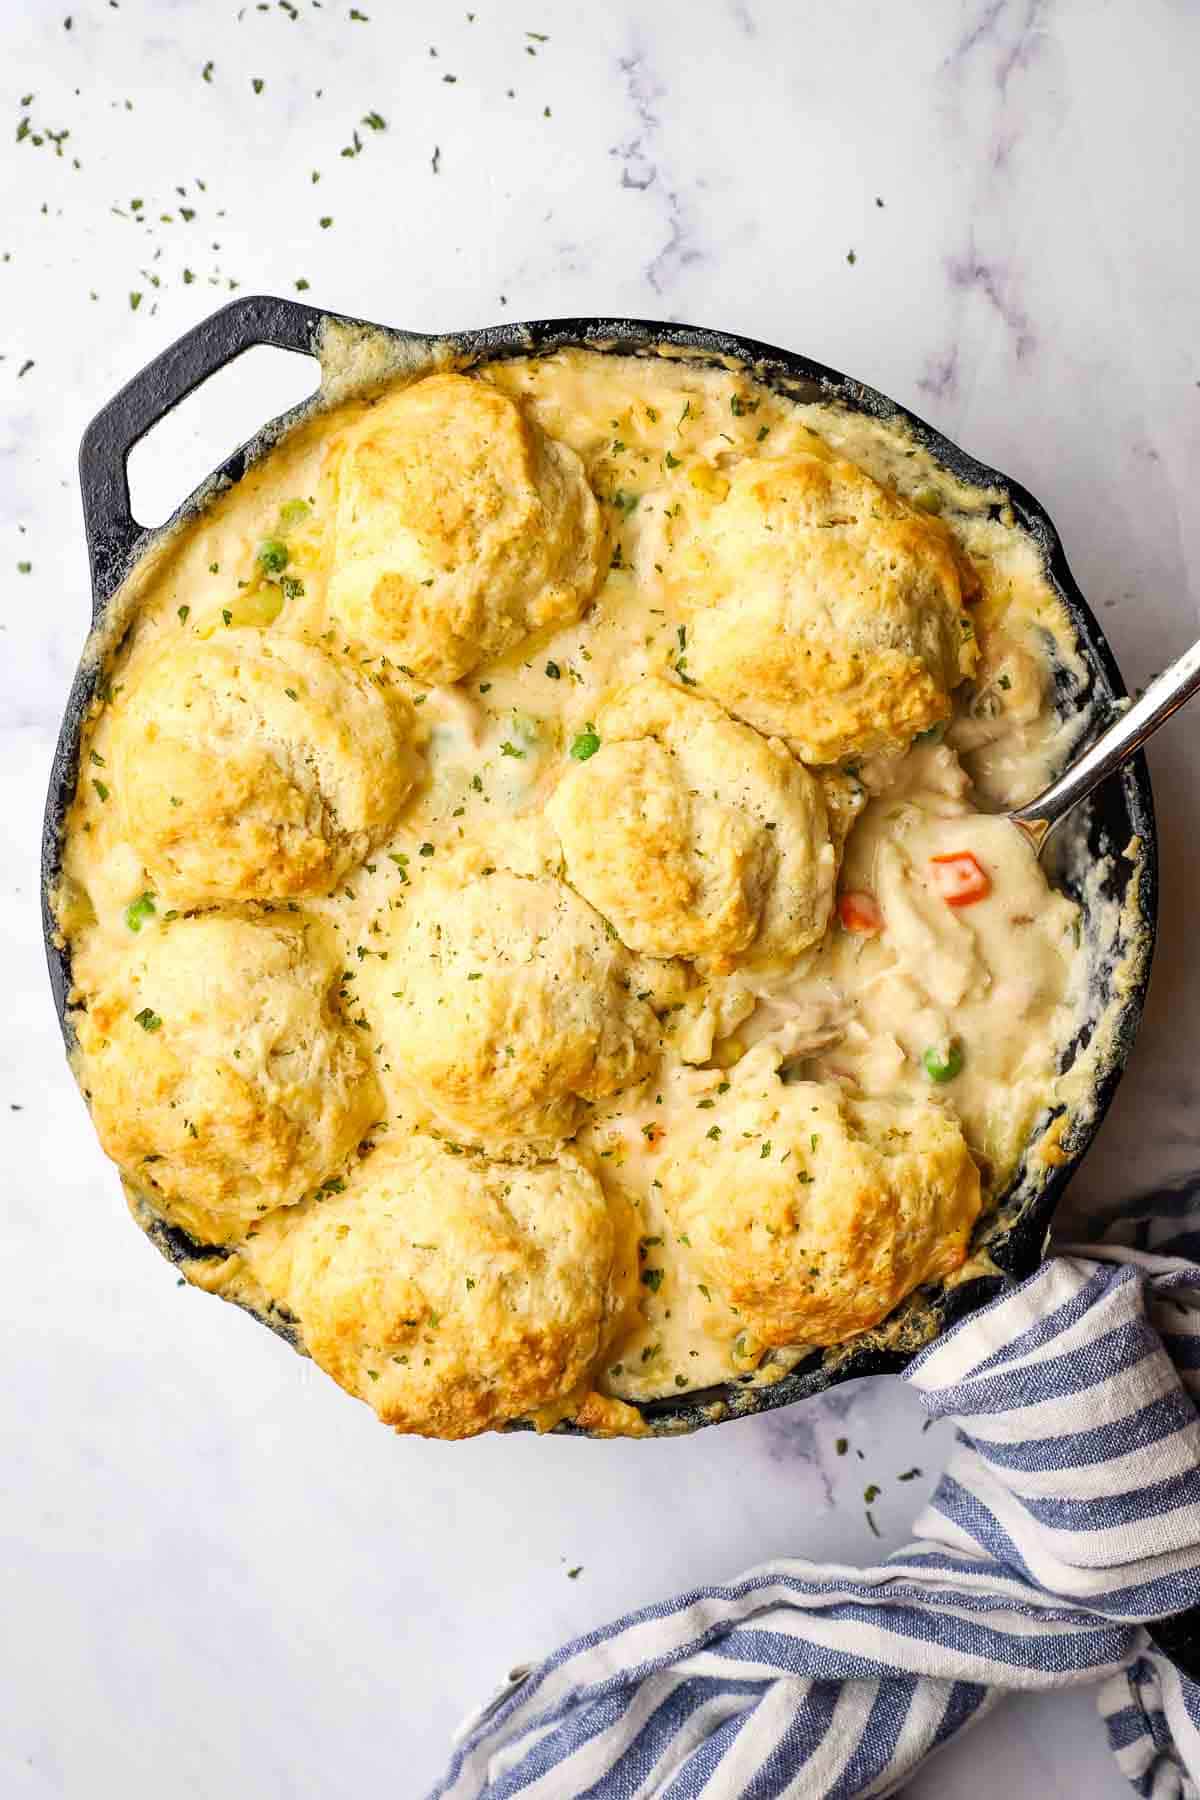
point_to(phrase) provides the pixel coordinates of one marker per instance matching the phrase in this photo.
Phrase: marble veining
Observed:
(227, 1577)
(640, 159)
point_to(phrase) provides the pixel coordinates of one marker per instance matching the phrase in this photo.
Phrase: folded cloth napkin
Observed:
(1068, 1517)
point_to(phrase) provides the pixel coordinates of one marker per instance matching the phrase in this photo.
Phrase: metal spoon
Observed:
(1166, 693)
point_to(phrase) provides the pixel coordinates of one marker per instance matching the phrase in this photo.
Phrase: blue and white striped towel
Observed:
(1069, 1515)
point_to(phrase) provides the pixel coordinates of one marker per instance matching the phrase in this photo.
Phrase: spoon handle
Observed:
(1127, 733)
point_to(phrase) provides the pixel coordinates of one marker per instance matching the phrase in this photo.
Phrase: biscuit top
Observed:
(220, 1072)
(693, 834)
(459, 529)
(508, 1004)
(254, 766)
(812, 1212)
(827, 610)
(454, 1293)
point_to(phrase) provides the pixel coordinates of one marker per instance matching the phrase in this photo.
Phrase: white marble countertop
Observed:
(220, 1576)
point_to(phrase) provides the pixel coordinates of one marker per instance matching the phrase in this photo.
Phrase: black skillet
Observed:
(1015, 1236)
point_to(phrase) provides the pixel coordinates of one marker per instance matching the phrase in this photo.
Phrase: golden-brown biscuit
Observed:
(828, 611)
(506, 1003)
(695, 836)
(221, 1077)
(453, 1293)
(253, 766)
(812, 1213)
(460, 528)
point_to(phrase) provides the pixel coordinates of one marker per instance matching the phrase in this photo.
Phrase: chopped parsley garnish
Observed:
(553, 671)
(652, 1278)
(183, 614)
(425, 850)
(507, 749)
(148, 1019)
(100, 789)
(586, 744)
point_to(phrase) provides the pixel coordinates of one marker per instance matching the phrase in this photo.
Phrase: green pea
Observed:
(139, 910)
(273, 556)
(943, 1065)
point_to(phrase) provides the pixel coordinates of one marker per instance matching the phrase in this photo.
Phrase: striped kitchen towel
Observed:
(1068, 1517)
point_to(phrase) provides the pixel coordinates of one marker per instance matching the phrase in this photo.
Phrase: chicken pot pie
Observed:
(536, 928)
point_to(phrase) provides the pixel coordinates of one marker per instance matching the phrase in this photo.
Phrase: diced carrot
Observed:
(960, 878)
(860, 913)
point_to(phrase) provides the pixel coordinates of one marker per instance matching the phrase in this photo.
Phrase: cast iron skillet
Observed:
(1015, 1236)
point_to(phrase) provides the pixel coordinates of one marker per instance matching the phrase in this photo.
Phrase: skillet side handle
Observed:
(112, 532)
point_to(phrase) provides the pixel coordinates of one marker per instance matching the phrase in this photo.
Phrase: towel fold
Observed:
(1067, 1520)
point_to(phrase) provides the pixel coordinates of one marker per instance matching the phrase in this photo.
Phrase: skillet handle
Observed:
(113, 534)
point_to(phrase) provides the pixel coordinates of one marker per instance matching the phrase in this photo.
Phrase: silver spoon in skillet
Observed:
(1165, 695)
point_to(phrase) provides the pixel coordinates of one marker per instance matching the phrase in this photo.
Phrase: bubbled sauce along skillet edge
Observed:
(1012, 1240)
